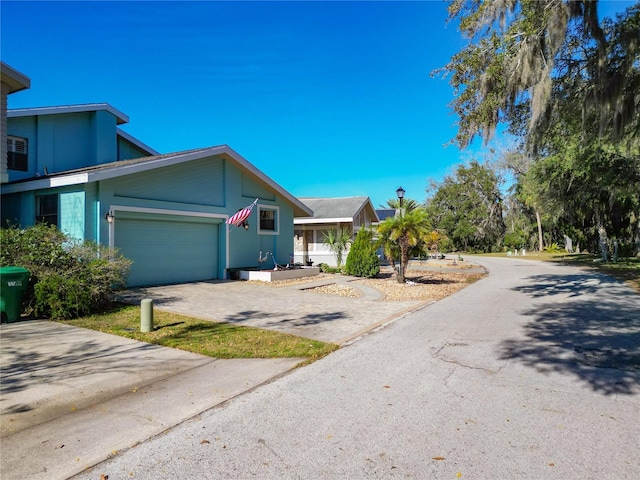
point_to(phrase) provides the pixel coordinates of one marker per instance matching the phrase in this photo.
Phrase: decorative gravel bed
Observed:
(339, 289)
(421, 285)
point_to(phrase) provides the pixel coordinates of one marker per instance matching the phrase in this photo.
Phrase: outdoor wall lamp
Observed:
(245, 225)
(109, 217)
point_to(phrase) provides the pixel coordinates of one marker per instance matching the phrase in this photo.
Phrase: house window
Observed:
(47, 209)
(268, 220)
(17, 154)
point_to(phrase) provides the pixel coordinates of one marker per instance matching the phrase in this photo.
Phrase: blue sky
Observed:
(327, 98)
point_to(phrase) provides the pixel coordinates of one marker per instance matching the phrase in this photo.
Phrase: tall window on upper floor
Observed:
(268, 220)
(17, 154)
(47, 209)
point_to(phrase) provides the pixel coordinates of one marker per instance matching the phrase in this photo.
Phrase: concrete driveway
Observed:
(294, 309)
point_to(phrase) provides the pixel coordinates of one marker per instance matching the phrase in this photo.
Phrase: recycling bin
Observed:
(13, 284)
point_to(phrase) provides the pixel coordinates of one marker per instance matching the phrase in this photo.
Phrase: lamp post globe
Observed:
(400, 194)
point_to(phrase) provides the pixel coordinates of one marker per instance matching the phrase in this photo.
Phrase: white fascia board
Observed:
(371, 209)
(43, 183)
(164, 211)
(375, 217)
(89, 107)
(133, 140)
(13, 78)
(301, 221)
(264, 178)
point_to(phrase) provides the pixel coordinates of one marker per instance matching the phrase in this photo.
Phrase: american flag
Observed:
(241, 215)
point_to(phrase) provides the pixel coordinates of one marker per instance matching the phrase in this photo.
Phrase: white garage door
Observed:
(166, 248)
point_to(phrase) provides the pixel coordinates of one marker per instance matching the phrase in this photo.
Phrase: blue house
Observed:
(74, 167)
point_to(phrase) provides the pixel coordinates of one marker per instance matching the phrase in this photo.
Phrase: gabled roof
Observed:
(13, 78)
(106, 171)
(134, 141)
(88, 107)
(338, 209)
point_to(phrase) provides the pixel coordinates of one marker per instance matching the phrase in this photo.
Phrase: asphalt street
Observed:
(532, 372)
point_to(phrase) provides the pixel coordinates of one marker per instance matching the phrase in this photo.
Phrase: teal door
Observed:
(167, 249)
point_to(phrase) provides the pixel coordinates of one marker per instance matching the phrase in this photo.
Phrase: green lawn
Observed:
(627, 269)
(220, 340)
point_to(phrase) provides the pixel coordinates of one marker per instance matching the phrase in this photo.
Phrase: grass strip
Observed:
(219, 340)
(625, 269)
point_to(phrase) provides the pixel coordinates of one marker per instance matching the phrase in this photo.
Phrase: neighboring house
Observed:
(384, 213)
(79, 171)
(351, 213)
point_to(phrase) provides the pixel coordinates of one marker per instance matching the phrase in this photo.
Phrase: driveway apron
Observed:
(294, 309)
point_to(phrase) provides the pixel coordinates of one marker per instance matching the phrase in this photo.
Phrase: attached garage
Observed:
(168, 248)
(167, 212)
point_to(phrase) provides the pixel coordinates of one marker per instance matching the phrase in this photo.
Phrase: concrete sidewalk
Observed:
(72, 397)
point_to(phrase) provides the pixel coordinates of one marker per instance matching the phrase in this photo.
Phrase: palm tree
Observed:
(399, 234)
(390, 248)
(408, 204)
(433, 240)
(337, 241)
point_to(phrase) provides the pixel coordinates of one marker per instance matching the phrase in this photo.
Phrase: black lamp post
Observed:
(400, 194)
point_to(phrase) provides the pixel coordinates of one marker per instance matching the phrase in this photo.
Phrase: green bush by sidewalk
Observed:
(68, 279)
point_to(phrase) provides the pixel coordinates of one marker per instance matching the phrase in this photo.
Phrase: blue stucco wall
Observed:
(92, 212)
(104, 137)
(25, 127)
(65, 141)
(20, 209)
(127, 151)
(200, 182)
(12, 210)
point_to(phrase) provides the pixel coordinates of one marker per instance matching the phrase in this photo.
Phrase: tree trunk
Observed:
(540, 240)
(404, 259)
(637, 250)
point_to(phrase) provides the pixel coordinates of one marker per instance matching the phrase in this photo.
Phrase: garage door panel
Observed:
(166, 252)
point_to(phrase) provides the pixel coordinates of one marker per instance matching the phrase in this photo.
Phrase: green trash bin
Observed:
(13, 284)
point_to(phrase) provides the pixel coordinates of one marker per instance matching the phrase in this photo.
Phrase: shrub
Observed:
(61, 296)
(337, 241)
(553, 248)
(39, 248)
(67, 279)
(326, 268)
(362, 260)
